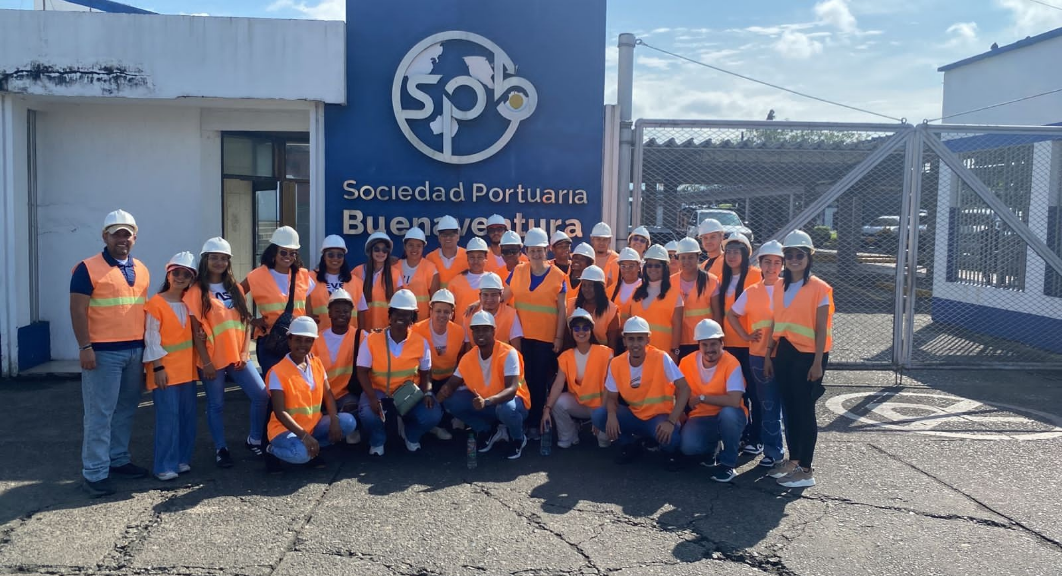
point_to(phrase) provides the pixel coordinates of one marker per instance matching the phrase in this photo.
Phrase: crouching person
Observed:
(717, 411)
(654, 394)
(297, 386)
(487, 388)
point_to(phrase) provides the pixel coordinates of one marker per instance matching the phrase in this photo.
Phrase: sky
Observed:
(880, 55)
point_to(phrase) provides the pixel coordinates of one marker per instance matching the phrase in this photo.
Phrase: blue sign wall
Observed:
(467, 108)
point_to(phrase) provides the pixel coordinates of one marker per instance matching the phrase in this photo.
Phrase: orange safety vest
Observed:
(497, 265)
(116, 309)
(442, 365)
(376, 315)
(610, 267)
(659, 315)
(270, 300)
(459, 265)
(420, 285)
(226, 333)
(758, 316)
(716, 268)
(694, 307)
(601, 323)
(503, 323)
(339, 369)
(690, 367)
(319, 303)
(473, 375)
(590, 389)
(621, 304)
(730, 337)
(179, 360)
(388, 371)
(537, 308)
(464, 294)
(655, 395)
(796, 322)
(300, 402)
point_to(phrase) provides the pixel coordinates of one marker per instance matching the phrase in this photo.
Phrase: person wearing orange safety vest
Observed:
(108, 292)
(605, 257)
(798, 351)
(749, 318)
(299, 388)
(419, 275)
(511, 254)
(448, 258)
(379, 284)
(388, 360)
(509, 329)
(497, 226)
(710, 232)
(717, 407)
(593, 298)
(447, 342)
(335, 347)
(269, 284)
(654, 394)
(488, 387)
(672, 253)
(582, 258)
(639, 240)
(582, 371)
(700, 294)
(219, 311)
(560, 244)
(333, 273)
(658, 302)
(630, 278)
(465, 286)
(169, 360)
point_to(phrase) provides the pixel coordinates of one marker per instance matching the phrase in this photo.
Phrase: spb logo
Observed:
(462, 133)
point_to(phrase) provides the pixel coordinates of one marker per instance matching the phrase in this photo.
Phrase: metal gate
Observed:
(942, 243)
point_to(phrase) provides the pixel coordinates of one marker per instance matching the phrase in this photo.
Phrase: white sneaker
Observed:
(565, 444)
(354, 437)
(376, 450)
(164, 476)
(183, 468)
(412, 446)
(502, 433)
(442, 433)
(603, 441)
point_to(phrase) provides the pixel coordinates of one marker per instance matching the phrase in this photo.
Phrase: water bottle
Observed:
(546, 447)
(470, 449)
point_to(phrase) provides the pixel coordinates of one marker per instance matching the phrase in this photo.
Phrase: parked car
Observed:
(728, 218)
(885, 228)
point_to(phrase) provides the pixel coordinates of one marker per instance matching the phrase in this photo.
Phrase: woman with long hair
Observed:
(579, 387)
(377, 287)
(658, 302)
(739, 275)
(700, 294)
(419, 275)
(630, 278)
(593, 298)
(332, 273)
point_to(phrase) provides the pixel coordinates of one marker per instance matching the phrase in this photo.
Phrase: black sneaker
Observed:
(628, 454)
(483, 441)
(752, 449)
(129, 470)
(516, 448)
(272, 464)
(317, 462)
(223, 459)
(255, 449)
(98, 488)
(723, 474)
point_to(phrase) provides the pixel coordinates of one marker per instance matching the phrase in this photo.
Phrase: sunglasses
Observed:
(651, 265)
(384, 248)
(334, 254)
(285, 253)
(182, 273)
(581, 327)
(638, 239)
(673, 256)
(798, 256)
(510, 252)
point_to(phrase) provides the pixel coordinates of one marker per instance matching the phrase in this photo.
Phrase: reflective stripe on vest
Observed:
(537, 308)
(655, 395)
(590, 391)
(695, 307)
(339, 369)
(731, 338)
(116, 309)
(271, 301)
(300, 402)
(659, 315)
(176, 340)
(472, 374)
(442, 366)
(402, 367)
(796, 323)
(691, 370)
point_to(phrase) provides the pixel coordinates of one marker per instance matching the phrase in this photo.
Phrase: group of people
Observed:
(698, 349)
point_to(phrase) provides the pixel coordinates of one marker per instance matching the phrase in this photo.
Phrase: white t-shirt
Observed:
(742, 301)
(687, 288)
(447, 262)
(284, 280)
(654, 291)
(307, 375)
(671, 372)
(219, 292)
(334, 283)
(791, 292)
(437, 340)
(407, 272)
(511, 367)
(474, 279)
(153, 349)
(580, 364)
(332, 342)
(626, 290)
(733, 286)
(735, 383)
(365, 355)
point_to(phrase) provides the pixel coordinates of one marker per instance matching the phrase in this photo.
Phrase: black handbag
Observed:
(275, 343)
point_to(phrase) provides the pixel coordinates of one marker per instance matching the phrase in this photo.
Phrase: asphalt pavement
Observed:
(943, 472)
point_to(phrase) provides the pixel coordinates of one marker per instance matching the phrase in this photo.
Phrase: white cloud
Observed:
(1029, 19)
(654, 62)
(322, 10)
(660, 30)
(797, 45)
(837, 14)
(962, 34)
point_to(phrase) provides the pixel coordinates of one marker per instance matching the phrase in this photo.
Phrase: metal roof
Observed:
(1028, 41)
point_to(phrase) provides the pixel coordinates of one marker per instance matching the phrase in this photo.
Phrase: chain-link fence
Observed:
(865, 193)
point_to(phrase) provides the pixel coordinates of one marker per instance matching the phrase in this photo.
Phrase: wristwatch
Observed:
(676, 351)
(701, 397)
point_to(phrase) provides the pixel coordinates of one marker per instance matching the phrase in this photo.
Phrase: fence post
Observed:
(624, 97)
(903, 239)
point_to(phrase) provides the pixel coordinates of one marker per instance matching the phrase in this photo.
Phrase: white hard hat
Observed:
(414, 234)
(739, 238)
(707, 329)
(657, 252)
(636, 325)
(640, 231)
(303, 326)
(708, 226)
(770, 248)
(482, 318)
(476, 244)
(119, 220)
(510, 238)
(340, 294)
(629, 254)
(559, 236)
(496, 220)
(536, 238)
(404, 300)
(334, 241)
(447, 223)
(216, 245)
(490, 281)
(671, 246)
(443, 295)
(376, 236)
(584, 249)
(799, 239)
(601, 230)
(182, 260)
(285, 237)
(580, 313)
(688, 246)
(593, 274)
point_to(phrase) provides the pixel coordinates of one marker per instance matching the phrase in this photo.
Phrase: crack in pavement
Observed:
(293, 540)
(134, 537)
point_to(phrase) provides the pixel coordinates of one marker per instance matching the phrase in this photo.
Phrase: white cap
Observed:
(636, 325)
(404, 300)
(657, 252)
(708, 226)
(580, 313)
(707, 329)
(688, 246)
(182, 260)
(443, 295)
(447, 223)
(559, 236)
(482, 318)
(303, 326)
(741, 239)
(490, 281)
(285, 237)
(640, 231)
(671, 246)
(216, 245)
(601, 230)
(340, 294)
(799, 239)
(584, 249)
(629, 254)
(510, 238)
(414, 234)
(374, 237)
(119, 220)
(536, 238)
(334, 241)
(593, 274)
(770, 248)
(476, 244)
(497, 220)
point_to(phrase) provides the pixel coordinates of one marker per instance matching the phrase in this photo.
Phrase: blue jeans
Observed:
(174, 426)
(251, 382)
(702, 434)
(289, 448)
(511, 414)
(770, 400)
(110, 392)
(633, 428)
(417, 421)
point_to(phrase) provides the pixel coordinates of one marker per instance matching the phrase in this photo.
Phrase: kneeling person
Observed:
(488, 387)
